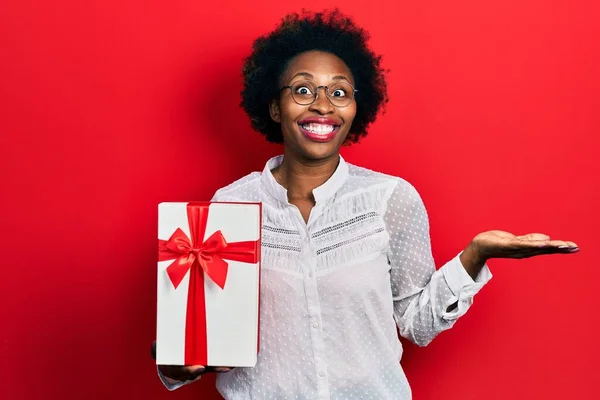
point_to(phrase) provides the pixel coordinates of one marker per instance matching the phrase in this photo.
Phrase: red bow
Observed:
(208, 254)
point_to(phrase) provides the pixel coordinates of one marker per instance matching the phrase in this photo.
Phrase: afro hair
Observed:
(329, 31)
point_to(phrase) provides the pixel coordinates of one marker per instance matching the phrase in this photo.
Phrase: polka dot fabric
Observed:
(335, 290)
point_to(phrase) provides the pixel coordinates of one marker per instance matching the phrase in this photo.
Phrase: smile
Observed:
(319, 130)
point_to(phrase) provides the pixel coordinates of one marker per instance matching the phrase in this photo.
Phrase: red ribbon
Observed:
(199, 258)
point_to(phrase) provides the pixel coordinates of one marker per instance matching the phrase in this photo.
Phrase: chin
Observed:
(315, 149)
(319, 151)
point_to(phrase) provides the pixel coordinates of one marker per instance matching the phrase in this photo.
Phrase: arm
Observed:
(426, 301)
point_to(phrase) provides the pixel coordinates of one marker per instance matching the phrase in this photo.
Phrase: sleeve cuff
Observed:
(172, 384)
(462, 286)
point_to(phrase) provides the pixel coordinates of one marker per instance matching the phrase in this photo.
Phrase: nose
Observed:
(322, 105)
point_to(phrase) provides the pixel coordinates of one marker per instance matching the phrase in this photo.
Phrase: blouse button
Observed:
(321, 374)
(310, 274)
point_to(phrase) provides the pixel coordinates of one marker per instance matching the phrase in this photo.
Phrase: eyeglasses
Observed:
(304, 93)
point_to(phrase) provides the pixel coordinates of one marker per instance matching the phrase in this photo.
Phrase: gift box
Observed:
(208, 283)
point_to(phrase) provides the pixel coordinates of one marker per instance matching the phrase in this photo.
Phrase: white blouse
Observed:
(333, 290)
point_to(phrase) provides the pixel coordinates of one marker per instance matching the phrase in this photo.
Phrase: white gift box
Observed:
(203, 246)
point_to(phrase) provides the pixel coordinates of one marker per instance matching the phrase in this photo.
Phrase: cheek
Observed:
(349, 113)
(290, 111)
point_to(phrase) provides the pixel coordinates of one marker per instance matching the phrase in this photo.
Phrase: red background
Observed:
(109, 107)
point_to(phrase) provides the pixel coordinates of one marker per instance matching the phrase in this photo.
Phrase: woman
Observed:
(346, 251)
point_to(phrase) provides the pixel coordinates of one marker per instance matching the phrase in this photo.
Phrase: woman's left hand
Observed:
(500, 244)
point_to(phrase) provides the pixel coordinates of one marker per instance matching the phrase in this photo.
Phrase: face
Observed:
(315, 131)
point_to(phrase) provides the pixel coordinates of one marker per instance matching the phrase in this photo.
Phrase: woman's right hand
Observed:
(187, 372)
(184, 372)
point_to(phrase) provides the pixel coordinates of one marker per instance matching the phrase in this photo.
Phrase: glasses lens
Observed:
(304, 92)
(340, 94)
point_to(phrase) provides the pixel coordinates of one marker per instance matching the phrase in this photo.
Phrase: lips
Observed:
(319, 129)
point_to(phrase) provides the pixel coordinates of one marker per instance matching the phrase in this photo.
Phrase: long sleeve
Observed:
(421, 294)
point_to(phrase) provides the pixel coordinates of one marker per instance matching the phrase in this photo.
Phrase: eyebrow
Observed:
(306, 74)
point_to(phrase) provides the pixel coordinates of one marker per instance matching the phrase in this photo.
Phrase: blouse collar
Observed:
(321, 193)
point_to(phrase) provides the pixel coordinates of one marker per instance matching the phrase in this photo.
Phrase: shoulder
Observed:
(367, 178)
(244, 189)
(392, 193)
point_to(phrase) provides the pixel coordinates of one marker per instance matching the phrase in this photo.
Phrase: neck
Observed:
(300, 176)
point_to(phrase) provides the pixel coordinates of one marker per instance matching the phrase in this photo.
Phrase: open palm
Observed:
(500, 244)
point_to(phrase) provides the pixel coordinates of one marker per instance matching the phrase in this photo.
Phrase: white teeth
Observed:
(321, 129)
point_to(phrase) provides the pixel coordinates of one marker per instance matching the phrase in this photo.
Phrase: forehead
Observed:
(322, 65)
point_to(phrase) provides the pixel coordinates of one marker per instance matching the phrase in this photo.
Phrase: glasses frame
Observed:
(316, 95)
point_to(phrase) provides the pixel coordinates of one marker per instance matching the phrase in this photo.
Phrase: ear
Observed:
(275, 111)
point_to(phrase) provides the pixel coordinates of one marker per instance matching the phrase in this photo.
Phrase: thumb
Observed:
(197, 369)
(534, 236)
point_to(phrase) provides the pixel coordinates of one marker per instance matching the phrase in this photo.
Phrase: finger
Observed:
(557, 250)
(180, 372)
(502, 234)
(214, 369)
(153, 350)
(542, 252)
(196, 369)
(222, 369)
(193, 372)
(174, 372)
(534, 236)
(529, 244)
(553, 244)
(561, 244)
(527, 253)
